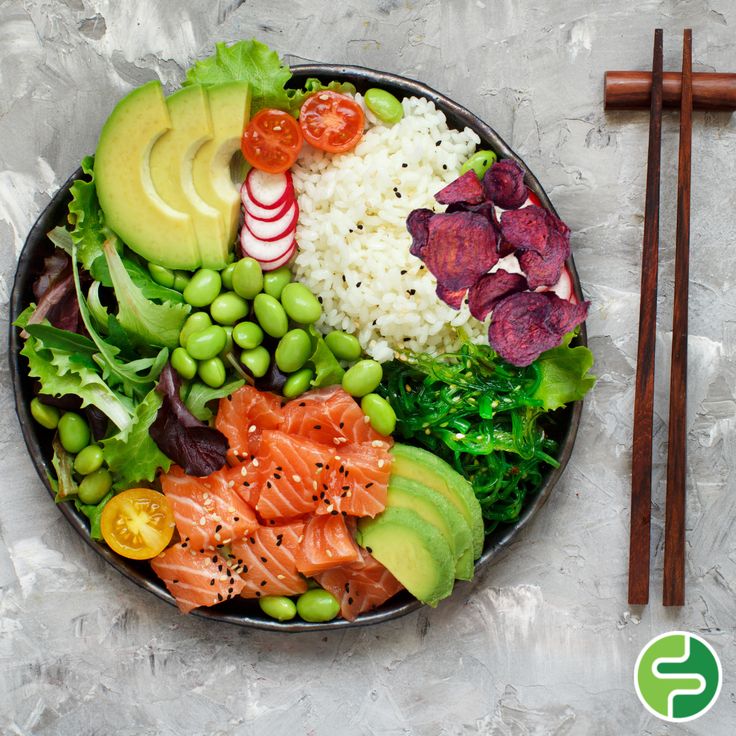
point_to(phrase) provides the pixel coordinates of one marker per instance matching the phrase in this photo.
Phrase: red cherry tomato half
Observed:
(331, 122)
(271, 141)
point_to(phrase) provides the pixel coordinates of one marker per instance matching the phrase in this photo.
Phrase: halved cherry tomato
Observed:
(331, 121)
(137, 523)
(271, 141)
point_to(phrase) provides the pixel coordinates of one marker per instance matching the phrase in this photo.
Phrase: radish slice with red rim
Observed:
(268, 190)
(273, 265)
(271, 230)
(264, 250)
(264, 213)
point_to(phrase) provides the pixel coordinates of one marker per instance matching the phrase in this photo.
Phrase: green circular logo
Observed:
(678, 676)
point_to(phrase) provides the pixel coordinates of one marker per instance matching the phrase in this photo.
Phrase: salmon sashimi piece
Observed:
(294, 475)
(330, 416)
(267, 560)
(243, 415)
(208, 511)
(358, 480)
(195, 578)
(359, 587)
(327, 543)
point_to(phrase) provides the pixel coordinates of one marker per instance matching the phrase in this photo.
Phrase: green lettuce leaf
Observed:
(251, 61)
(255, 63)
(59, 376)
(564, 373)
(140, 278)
(53, 337)
(199, 395)
(132, 455)
(146, 322)
(94, 514)
(327, 370)
(85, 216)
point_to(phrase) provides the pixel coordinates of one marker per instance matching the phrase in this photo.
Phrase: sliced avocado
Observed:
(426, 468)
(433, 507)
(230, 111)
(132, 206)
(412, 550)
(171, 171)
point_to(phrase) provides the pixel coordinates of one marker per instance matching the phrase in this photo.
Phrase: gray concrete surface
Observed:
(544, 642)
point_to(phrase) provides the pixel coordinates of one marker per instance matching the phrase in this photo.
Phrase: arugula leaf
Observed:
(327, 369)
(255, 63)
(115, 371)
(94, 514)
(85, 216)
(61, 238)
(60, 377)
(132, 455)
(146, 322)
(53, 337)
(564, 374)
(62, 461)
(200, 395)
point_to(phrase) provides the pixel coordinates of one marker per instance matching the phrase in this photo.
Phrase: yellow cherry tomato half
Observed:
(138, 523)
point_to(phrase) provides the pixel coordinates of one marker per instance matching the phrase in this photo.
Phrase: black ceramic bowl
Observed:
(240, 611)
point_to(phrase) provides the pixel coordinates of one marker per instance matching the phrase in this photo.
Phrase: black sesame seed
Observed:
(245, 568)
(327, 501)
(398, 194)
(342, 495)
(320, 300)
(444, 166)
(218, 528)
(341, 425)
(175, 581)
(319, 465)
(318, 426)
(258, 594)
(277, 476)
(342, 469)
(438, 143)
(219, 568)
(347, 587)
(184, 544)
(279, 468)
(357, 284)
(264, 560)
(252, 540)
(369, 484)
(236, 518)
(302, 403)
(212, 582)
(369, 550)
(344, 280)
(346, 488)
(315, 498)
(403, 272)
(262, 583)
(404, 166)
(322, 494)
(350, 601)
(230, 590)
(406, 339)
(360, 226)
(232, 579)
(219, 597)
(268, 484)
(334, 512)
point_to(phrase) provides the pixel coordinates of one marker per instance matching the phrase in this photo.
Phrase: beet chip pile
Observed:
(461, 245)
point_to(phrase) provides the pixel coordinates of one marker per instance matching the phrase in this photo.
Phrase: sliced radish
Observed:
(268, 190)
(263, 213)
(271, 230)
(563, 287)
(264, 250)
(273, 265)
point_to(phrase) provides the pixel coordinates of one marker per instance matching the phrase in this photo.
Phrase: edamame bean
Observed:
(228, 308)
(207, 344)
(380, 412)
(247, 335)
(162, 275)
(183, 363)
(362, 378)
(203, 287)
(297, 383)
(293, 351)
(74, 432)
(343, 346)
(384, 105)
(194, 323)
(317, 605)
(247, 278)
(94, 487)
(212, 372)
(300, 304)
(89, 460)
(256, 361)
(271, 315)
(278, 606)
(479, 162)
(227, 276)
(47, 416)
(274, 281)
(181, 279)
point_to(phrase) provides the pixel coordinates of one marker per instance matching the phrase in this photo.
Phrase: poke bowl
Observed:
(561, 427)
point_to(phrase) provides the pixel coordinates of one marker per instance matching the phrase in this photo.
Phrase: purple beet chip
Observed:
(461, 246)
(466, 188)
(527, 323)
(490, 288)
(504, 184)
(453, 298)
(526, 229)
(417, 223)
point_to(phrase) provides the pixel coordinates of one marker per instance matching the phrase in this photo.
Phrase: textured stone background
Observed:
(543, 643)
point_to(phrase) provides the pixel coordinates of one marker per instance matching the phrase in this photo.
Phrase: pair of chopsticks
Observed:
(641, 473)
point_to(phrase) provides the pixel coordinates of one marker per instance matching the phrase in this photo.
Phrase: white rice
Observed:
(353, 242)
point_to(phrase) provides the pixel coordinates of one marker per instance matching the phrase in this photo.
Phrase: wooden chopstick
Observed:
(674, 528)
(641, 468)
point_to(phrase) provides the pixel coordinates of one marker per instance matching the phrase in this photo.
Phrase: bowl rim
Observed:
(494, 544)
